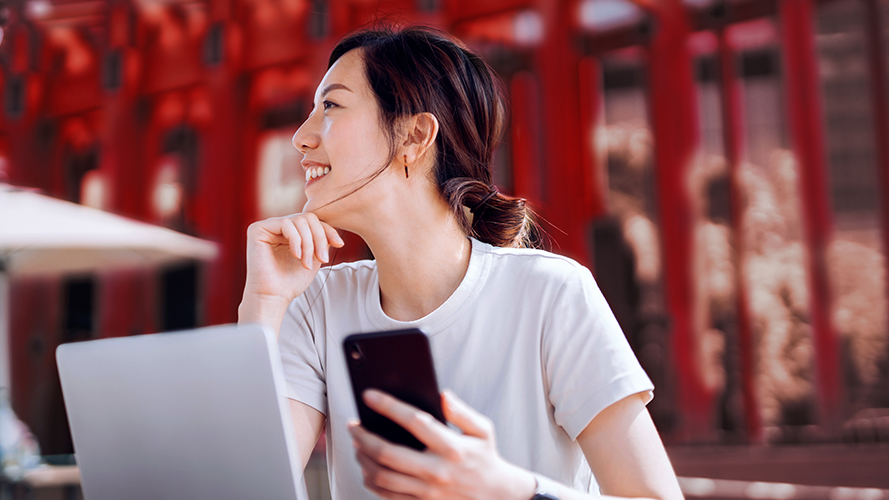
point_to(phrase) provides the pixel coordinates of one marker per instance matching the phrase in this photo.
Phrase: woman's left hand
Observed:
(454, 465)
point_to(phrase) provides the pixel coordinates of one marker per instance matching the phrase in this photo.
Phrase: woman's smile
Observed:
(314, 171)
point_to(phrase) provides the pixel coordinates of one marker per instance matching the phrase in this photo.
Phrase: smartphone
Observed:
(399, 363)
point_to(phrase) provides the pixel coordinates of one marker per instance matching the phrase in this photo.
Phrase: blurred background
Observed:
(721, 165)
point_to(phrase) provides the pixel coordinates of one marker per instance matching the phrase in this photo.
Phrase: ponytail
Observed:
(490, 216)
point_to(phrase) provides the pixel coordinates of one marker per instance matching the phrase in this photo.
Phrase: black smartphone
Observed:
(399, 363)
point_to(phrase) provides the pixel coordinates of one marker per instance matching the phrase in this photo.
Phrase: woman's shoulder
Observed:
(351, 268)
(344, 277)
(336, 284)
(539, 263)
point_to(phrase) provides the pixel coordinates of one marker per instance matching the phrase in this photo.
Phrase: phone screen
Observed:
(399, 363)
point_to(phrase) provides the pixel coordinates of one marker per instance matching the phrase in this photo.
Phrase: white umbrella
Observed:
(43, 235)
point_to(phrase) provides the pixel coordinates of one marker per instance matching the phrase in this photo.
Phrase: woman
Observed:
(398, 150)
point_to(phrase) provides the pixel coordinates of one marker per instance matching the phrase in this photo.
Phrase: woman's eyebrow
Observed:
(334, 86)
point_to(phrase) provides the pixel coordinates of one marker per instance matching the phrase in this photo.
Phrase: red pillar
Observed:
(881, 112)
(29, 159)
(122, 160)
(806, 130)
(558, 62)
(126, 300)
(733, 138)
(219, 218)
(526, 157)
(33, 342)
(674, 120)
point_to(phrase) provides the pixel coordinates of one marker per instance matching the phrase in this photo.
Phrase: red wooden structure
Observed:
(113, 95)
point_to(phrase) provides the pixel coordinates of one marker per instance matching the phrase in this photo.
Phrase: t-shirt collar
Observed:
(449, 311)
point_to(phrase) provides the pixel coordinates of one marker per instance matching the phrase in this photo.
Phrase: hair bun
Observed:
(494, 192)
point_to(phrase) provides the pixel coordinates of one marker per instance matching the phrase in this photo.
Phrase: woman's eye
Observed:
(328, 104)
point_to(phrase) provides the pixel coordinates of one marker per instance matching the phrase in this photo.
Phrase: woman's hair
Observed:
(419, 69)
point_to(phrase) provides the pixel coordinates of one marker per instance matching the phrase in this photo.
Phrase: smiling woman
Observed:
(398, 149)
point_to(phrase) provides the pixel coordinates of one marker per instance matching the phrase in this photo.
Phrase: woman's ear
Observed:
(422, 130)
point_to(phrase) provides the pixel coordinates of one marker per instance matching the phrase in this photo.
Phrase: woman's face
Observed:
(341, 140)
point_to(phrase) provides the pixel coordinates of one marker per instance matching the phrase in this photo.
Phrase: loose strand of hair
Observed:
(368, 180)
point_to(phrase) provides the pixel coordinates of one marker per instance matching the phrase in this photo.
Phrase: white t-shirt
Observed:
(526, 339)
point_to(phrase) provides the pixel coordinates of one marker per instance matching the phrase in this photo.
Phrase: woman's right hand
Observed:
(283, 256)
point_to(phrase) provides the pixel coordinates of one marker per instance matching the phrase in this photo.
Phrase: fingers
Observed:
(308, 243)
(308, 237)
(332, 236)
(389, 455)
(294, 240)
(384, 478)
(422, 425)
(466, 418)
(319, 235)
(386, 494)
(423, 468)
(316, 238)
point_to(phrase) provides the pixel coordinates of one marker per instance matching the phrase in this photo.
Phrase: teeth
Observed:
(315, 172)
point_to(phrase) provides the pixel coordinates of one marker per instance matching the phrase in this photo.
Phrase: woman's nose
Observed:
(305, 138)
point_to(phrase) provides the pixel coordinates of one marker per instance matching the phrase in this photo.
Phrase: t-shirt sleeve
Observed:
(589, 364)
(302, 355)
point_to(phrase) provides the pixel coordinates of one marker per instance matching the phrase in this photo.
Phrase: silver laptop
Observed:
(200, 414)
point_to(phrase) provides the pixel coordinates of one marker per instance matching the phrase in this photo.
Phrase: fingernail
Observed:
(451, 399)
(371, 396)
(325, 256)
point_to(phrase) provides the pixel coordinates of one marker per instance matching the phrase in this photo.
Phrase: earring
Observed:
(406, 176)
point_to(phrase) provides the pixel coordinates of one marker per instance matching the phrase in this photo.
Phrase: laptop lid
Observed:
(191, 415)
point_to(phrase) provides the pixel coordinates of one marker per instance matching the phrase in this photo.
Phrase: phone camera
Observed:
(356, 353)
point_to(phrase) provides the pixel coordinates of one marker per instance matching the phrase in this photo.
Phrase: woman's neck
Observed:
(421, 258)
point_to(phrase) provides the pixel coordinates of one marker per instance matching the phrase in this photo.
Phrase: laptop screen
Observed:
(184, 415)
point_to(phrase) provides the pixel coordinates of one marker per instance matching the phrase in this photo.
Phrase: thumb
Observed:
(466, 418)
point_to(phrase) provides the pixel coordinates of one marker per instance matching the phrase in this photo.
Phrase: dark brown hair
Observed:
(419, 69)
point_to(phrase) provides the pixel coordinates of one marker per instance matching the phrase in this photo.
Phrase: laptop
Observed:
(199, 414)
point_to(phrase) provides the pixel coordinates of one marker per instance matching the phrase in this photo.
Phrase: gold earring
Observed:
(406, 176)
